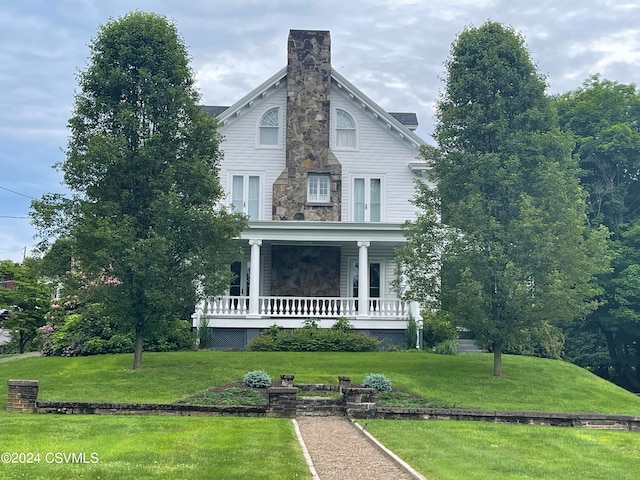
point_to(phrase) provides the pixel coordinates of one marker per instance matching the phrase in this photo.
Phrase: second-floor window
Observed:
(270, 128)
(318, 188)
(245, 195)
(345, 130)
(367, 199)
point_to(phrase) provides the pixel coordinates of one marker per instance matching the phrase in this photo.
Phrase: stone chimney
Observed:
(308, 132)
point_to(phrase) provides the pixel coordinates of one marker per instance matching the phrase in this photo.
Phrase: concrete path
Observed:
(18, 357)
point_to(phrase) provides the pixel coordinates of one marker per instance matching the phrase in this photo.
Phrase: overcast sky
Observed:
(393, 50)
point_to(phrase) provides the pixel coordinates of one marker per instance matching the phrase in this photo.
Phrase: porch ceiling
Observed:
(324, 231)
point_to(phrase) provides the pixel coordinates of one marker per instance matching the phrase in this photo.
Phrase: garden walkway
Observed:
(337, 449)
(16, 357)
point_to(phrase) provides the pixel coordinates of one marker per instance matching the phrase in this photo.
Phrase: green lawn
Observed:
(140, 447)
(464, 380)
(478, 451)
(151, 447)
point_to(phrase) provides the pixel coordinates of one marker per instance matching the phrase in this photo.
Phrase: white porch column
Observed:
(254, 279)
(414, 309)
(363, 279)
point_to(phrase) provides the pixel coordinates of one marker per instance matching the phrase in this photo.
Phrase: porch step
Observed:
(468, 345)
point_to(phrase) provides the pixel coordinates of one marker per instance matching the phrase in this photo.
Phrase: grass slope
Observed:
(464, 380)
(139, 447)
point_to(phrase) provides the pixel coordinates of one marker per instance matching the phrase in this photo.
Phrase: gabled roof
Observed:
(400, 124)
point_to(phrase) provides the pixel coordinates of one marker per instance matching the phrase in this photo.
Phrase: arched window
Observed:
(270, 127)
(345, 130)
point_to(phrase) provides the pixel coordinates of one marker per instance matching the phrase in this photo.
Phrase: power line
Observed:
(10, 216)
(17, 193)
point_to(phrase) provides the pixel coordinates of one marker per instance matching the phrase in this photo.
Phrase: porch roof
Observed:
(324, 231)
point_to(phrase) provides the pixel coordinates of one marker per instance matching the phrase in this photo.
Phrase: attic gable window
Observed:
(318, 188)
(270, 128)
(345, 130)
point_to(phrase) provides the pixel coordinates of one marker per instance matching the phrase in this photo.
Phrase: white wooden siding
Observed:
(380, 153)
(241, 153)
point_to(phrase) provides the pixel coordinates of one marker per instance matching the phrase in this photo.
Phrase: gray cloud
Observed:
(394, 50)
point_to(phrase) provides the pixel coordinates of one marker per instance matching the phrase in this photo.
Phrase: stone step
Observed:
(467, 345)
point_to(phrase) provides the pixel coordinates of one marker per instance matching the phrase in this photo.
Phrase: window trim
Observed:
(335, 131)
(245, 194)
(259, 128)
(319, 200)
(367, 197)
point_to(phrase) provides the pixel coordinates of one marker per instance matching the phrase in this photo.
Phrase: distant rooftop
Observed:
(409, 120)
(213, 110)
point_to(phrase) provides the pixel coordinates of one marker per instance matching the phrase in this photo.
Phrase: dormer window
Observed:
(345, 130)
(270, 128)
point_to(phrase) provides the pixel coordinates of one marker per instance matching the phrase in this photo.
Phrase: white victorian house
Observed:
(325, 176)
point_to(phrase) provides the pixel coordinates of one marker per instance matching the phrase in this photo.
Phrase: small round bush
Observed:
(257, 379)
(377, 381)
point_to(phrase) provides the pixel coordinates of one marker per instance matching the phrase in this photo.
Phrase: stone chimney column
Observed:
(307, 123)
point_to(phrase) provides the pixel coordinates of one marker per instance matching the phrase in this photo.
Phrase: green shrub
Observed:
(257, 379)
(377, 381)
(312, 339)
(205, 335)
(448, 347)
(272, 331)
(411, 333)
(343, 325)
(170, 336)
(437, 327)
(262, 343)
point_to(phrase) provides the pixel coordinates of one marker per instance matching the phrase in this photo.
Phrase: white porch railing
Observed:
(307, 307)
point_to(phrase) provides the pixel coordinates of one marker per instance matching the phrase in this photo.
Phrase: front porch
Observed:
(236, 310)
(294, 271)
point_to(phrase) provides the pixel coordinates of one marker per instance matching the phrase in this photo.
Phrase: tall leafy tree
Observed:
(518, 253)
(604, 117)
(144, 221)
(27, 297)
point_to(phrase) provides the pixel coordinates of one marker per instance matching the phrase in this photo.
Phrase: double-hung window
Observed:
(367, 199)
(245, 195)
(270, 128)
(318, 190)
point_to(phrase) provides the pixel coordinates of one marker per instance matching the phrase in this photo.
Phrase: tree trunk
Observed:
(137, 352)
(497, 358)
(21, 341)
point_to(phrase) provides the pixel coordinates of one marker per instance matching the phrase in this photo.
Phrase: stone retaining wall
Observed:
(106, 408)
(354, 402)
(578, 420)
